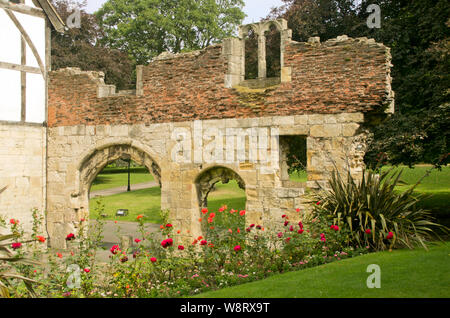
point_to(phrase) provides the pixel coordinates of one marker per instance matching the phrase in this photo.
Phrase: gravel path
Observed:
(112, 191)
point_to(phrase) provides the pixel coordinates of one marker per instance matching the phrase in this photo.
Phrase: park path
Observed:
(117, 190)
(110, 235)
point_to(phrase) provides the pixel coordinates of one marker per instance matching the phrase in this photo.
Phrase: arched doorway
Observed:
(221, 191)
(98, 159)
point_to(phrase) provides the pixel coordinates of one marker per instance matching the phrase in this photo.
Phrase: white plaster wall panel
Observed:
(9, 40)
(30, 3)
(35, 28)
(35, 98)
(10, 95)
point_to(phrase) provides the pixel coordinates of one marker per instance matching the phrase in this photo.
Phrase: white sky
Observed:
(254, 9)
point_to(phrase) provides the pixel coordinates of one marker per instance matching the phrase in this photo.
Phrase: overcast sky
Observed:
(254, 9)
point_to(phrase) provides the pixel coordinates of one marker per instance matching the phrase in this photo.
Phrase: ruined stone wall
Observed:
(22, 154)
(340, 75)
(77, 153)
(324, 93)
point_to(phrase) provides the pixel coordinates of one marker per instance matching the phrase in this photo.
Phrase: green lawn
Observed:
(146, 202)
(436, 186)
(118, 177)
(404, 273)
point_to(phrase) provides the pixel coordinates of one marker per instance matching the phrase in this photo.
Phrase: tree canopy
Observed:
(146, 28)
(81, 47)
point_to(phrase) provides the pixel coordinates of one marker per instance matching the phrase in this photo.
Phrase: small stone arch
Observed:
(279, 24)
(209, 177)
(243, 30)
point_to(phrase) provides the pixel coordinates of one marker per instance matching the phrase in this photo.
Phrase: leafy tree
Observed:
(81, 47)
(146, 28)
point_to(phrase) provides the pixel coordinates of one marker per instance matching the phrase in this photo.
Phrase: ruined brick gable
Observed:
(339, 75)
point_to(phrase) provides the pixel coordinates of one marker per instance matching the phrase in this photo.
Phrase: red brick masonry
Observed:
(330, 77)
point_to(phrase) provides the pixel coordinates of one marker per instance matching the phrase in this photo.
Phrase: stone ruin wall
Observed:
(325, 91)
(23, 173)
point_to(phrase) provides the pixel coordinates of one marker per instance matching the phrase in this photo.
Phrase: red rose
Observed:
(167, 242)
(297, 210)
(15, 246)
(13, 222)
(204, 210)
(237, 248)
(390, 235)
(204, 242)
(280, 234)
(291, 228)
(169, 225)
(87, 270)
(286, 223)
(300, 231)
(115, 249)
(137, 240)
(259, 227)
(40, 239)
(242, 213)
(70, 237)
(252, 225)
(283, 216)
(368, 231)
(180, 247)
(153, 259)
(300, 224)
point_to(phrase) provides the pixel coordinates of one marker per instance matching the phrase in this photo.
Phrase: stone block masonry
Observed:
(189, 108)
(22, 153)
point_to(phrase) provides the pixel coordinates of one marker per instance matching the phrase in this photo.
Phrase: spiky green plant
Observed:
(372, 208)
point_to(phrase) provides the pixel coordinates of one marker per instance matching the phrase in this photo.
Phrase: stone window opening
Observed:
(251, 55)
(293, 161)
(268, 39)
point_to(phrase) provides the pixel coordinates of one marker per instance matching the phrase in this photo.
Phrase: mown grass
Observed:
(146, 202)
(118, 177)
(436, 187)
(404, 273)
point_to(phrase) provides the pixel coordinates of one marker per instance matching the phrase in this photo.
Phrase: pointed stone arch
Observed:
(209, 177)
(93, 162)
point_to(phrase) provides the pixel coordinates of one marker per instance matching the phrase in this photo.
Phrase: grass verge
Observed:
(404, 274)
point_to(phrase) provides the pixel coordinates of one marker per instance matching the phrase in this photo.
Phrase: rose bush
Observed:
(159, 265)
